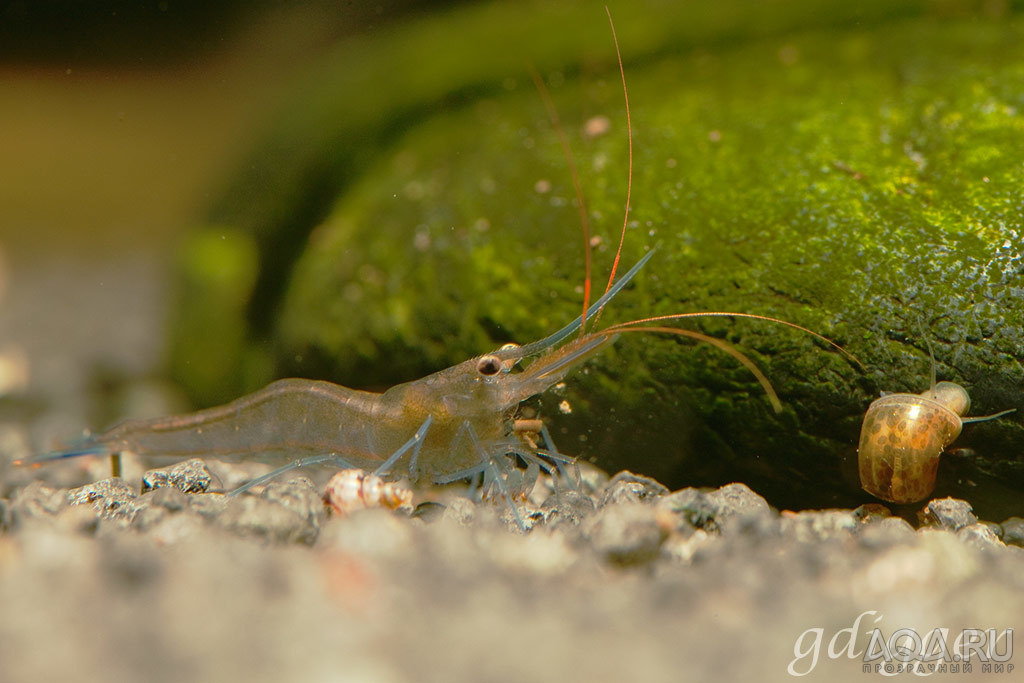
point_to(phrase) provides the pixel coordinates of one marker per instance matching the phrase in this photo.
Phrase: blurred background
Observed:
(119, 118)
(120, 121)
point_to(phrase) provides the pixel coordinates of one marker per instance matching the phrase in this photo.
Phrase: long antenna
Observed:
(629, 136)
(619, 327)
(931, 355)
(567, 151)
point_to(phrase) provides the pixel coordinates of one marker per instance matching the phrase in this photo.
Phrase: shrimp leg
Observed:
(293, 465)
(493, 470)
(576, 483)
(415, 443)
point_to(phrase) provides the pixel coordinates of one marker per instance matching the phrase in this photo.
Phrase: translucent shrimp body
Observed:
(453, 422)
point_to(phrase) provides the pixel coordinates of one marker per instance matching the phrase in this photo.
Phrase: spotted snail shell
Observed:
(902, 437)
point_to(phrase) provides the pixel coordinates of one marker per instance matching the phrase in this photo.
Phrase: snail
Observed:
(903, 435)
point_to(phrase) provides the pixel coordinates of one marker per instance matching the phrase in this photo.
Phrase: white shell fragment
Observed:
(351, 490)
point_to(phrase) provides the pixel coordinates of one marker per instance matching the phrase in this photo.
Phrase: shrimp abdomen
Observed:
(287, 418)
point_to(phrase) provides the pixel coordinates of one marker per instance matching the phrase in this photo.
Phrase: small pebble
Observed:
(208, 505)
(191, 476)
(818, 525)
(979, 536)
(148, 516)
(33, 502)
(300, 496)
(625, 534)
(567, 508)
(691, 506)
(884, 532)
(168, 497)
(948, 513)
(1013, 531)
(462, 511)
(155, 506)
(112, 498)
(78, 519)
(735, 501)
(872, 512)
(428, 511)
(733, 505)
(681, 548)
(632, 488)
(266, 519)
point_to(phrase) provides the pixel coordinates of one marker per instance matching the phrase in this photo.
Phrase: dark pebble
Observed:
(429, 511)
(734, 506)
(1013, 531)
(691, 506)
(872, 512)
(952, 514)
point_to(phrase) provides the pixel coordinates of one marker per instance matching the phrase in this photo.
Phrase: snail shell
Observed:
(350, 490)
(902, 437)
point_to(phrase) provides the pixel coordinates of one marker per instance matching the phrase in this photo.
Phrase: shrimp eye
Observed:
(488, 366)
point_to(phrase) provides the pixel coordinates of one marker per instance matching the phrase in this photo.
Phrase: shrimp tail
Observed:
(87, 448)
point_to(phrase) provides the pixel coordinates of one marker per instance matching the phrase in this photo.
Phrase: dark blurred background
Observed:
(120, 119)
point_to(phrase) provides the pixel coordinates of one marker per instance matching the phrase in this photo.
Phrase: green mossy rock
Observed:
(857, 173)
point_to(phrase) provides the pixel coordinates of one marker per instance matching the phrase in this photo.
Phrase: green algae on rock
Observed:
(861, 179)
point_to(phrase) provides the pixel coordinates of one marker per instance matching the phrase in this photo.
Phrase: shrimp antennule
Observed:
(50, 456)
(541, 345)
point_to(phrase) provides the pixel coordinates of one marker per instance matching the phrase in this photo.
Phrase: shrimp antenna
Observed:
(533, 348)
(629, 137)
(622, 327)
(643, 326)
(761, 378)
(571, 161)
(931, 354)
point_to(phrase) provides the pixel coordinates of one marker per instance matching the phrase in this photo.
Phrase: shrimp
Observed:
(454, 424)
(451, 425)
(450, 422)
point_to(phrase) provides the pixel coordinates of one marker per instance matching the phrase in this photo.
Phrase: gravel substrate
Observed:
(621, 580)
